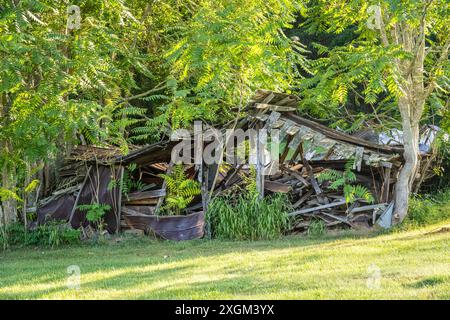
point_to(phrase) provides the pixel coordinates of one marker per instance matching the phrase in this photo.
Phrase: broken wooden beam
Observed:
(273, 107)
(367, 208)
(276, 186)
(146, 195)
(325, 206)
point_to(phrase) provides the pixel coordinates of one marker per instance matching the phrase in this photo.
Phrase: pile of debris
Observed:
(310, 149)
(307, 150)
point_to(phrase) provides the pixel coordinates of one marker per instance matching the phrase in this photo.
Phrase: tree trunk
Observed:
(408, 172)
(10, 205)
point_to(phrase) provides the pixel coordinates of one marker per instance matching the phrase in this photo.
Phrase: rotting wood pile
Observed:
(308, 149)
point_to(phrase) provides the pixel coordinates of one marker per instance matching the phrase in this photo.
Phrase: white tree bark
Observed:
(411, 156)
(9, 205)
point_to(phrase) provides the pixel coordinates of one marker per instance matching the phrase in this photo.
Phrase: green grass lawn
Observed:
(412, 264)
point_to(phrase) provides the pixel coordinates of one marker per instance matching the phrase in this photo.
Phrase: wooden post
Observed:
(74, 208)
(164, 186)
(386, 181)
(119, 209)
(259, 164)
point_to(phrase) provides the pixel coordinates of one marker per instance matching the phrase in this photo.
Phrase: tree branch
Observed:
(159, 87)
(384, 38)
(443, 57)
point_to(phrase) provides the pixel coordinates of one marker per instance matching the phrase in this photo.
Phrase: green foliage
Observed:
(57, 85)
(6, 194)
(95, 213)
(219, 53)
(368, 69)
(317, 228)
(246, 217)
(428, 209)
(180, 190)
(52, 234)
(128, 183)
(344, 180)
(250, 181)
(441, 167)
(32, 186)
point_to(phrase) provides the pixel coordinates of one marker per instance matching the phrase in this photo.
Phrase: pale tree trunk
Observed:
(411, 156)
(9, 206)
(411, 106)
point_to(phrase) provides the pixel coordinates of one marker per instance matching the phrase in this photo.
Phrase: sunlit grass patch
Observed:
(412, 264)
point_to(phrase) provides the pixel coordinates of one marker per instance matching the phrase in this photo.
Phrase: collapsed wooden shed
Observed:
(96, 175)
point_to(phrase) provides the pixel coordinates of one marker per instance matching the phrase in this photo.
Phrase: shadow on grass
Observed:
(164, 269)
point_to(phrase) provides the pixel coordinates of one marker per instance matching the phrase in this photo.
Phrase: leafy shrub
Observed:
(180, 190)
(95, 213)
(317, 228)
(247, 217)
(428, 209)
(345, 179)
(52, 234)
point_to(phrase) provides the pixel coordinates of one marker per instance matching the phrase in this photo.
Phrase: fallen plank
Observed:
(149, 201)
(310, 171)
(325, 206)
(141, 209)
(126, 210)
(336, 135)
(367, 208)
(146, 195)
(298, 177)
(303, 199)
(273, 107)
(276, 186)
(344, 220)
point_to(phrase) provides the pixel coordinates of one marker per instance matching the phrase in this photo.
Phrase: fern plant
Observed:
(95, 213)
(128, 183)
(344, 180)
(180, 190)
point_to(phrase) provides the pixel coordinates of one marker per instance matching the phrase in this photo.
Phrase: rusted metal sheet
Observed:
(57, 209)
(170, 227)
(96, 190)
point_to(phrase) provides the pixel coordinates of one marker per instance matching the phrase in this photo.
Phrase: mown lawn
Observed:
(403, 265)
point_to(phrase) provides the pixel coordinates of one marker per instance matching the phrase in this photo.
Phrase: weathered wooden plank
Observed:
(336, 135)
(271, 120)
(269, 97)
(288, 124)
(74, 208)
(262, 139)
(148, 201)
(164, 186)
(141, 209)
(129, 211)
(344, 220)
(286, 150)
(325, 206)
(146, 195)
(119, 201)
(274, 107)
(309, 169)
(287, 100)
(367, 208)
(359, 152)
(276, 186)
(303, 199)
(386, 181)
(299, 177)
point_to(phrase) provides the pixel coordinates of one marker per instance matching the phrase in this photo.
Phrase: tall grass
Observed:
(52, 234)
(428, 209)
(247, 217)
